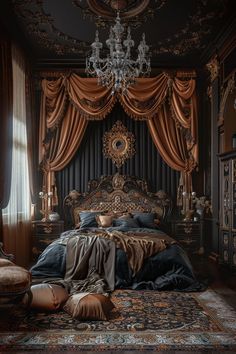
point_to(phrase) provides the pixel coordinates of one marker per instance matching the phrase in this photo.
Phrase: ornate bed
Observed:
(131, 251)
(119, 194)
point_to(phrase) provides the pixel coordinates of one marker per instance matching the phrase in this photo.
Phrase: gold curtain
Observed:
(144, 99)
(174, 131)
(168, 104)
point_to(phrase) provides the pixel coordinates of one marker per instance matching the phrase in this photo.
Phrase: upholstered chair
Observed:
(15, 282)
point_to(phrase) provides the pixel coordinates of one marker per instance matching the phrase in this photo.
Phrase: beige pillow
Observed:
(104, 220)
(49, 297)
(125, 216)
(89, 307)
(118, 214)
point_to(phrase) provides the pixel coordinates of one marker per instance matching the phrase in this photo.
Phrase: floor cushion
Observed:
(85, 306)
(14, 280)
(48, 297)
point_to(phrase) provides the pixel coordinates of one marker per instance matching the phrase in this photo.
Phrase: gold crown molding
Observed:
(48, 74)
(214, 68)
(118, 144)
(51, 74)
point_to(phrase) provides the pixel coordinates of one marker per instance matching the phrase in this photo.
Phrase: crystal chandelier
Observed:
(118, 70)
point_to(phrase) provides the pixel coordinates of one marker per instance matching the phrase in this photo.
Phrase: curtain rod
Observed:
(179, 73)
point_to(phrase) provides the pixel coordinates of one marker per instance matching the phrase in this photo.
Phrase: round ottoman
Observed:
(14, 283)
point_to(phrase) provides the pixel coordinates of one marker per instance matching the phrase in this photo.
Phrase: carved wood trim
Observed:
(214, 68)
(230, 86)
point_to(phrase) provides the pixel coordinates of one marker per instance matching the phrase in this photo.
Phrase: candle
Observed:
(50, 194)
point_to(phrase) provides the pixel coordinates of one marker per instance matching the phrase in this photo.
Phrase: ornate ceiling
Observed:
(177, 31)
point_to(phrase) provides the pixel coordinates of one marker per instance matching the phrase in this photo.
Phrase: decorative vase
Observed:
(188, 215)
(54, 216)
(200, 212)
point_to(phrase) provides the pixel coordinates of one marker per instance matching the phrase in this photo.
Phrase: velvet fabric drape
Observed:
(167, 104)
(6, 118)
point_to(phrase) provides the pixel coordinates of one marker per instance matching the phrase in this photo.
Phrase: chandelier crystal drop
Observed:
(118, 70)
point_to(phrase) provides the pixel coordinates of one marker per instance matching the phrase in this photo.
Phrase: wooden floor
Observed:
(220, 278)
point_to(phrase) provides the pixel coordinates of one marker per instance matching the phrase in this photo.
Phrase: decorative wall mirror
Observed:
(118, 144)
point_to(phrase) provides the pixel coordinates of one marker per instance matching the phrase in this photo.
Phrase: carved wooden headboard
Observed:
(118, 193)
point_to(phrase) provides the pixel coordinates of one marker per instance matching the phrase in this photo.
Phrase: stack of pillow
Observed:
(105, 220)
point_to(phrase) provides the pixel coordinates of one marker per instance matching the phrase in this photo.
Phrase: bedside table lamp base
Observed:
(46, 205)
(201, 251)
(188, 215)
(46, 216)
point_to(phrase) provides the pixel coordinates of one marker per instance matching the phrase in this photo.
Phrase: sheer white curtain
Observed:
(17, 215)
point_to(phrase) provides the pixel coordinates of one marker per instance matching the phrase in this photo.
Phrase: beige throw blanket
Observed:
(138, 246)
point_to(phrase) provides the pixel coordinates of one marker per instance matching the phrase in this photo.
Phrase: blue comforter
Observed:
(169, 269)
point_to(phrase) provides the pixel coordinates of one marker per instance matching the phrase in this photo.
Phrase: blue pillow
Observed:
(88, 218)
(145, 220)
(127, 222)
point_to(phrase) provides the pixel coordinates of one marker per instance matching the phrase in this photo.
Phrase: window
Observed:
(18, 208)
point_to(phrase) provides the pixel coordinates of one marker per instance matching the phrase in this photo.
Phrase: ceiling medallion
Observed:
(103, 12)
(107, 9)
(118, 144)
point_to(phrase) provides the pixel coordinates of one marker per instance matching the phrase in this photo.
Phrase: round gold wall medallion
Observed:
(118, 144)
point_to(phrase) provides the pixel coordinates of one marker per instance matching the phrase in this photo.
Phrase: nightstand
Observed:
(189, 234)
(44, 233)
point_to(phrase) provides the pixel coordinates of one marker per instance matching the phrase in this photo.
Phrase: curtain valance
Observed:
(168, 104)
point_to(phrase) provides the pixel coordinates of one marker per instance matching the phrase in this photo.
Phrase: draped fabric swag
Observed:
(167, 104)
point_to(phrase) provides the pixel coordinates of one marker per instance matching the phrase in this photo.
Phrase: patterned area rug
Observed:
(141, 320)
